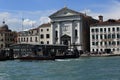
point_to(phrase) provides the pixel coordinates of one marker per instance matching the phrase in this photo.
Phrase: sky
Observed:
(32, 13)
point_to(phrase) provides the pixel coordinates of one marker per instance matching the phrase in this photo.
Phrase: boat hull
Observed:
(36, 58)
(66, 57)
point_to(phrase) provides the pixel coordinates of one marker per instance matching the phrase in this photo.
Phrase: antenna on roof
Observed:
(65, 5)
(22, 21)
(22, 24)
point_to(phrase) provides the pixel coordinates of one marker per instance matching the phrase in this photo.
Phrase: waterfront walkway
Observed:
(99, 55)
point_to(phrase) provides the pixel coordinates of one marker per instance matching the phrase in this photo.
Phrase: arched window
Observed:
(1, 45)
(42, 42)
(36, 39)
(21, 39)
(27, 39)
(30, 39)
(56, 34)
(76, 33)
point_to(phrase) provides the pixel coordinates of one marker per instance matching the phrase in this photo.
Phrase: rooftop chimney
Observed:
(100, 18)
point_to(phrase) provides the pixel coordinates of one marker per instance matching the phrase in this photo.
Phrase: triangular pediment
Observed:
(65, 12)
(64, 37)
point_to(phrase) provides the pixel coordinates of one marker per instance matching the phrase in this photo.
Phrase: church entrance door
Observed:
(66, 40)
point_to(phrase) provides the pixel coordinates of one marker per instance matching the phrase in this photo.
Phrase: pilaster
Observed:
(59, 32)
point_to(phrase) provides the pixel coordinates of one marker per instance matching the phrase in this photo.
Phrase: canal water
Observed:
(93, 68)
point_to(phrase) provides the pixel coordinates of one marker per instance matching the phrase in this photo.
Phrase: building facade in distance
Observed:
(105, 36)
(44, 33)
(7, 37)
(28, 37)
(71, 28)
(39, 35)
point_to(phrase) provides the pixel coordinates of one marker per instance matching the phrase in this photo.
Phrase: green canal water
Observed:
(93, 68)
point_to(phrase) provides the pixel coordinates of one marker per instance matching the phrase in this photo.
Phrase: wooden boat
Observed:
(5, 58)
(66, 56)
(36, 58)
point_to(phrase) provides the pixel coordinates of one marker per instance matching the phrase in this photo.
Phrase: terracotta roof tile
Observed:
(45, 25)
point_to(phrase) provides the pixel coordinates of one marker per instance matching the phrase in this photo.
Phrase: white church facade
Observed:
(71, 28)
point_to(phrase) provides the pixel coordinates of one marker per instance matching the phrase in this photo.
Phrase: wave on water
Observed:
(62, 60)
(3, 76)
(66, 59)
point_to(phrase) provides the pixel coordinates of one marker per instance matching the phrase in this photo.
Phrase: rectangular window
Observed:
(109, 36)
(101, 30)
(30, 39)
(104, 29)
(118, 42)
(105, 43)
(47, 42)
(24, 39)
(27, 40)
(18, 40)
(47, 29)
(96, 43)
(97, 30)
(101, 37)
(41, 30)
(92, 30)
(47, 35)
(36, 39)
(93, 43)
(105, 36)
(41, 36)
(118, 29)
(101, 43)
(108, 29)
(96, 36)
(113, 36)
(93, 37)
(110, 43)
(113, 29)
(21, 39)
(113, 43)
(118, 36)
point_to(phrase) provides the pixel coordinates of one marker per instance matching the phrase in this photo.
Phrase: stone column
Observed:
(79, 25)
(52, 33)
(72, 32)
(59, 32)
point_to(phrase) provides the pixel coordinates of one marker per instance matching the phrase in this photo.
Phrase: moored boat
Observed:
(5, 58)
(36, 58)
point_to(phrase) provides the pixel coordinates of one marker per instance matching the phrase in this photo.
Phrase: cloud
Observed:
(109, 11)
(44, 20)
(28, 22)
(36, 18)
(31, 19)
(113, 10)
(5, 15)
